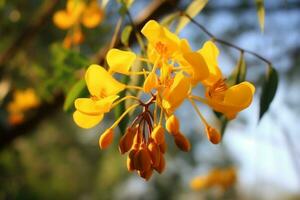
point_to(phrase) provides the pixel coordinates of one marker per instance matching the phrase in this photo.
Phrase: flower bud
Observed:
(106, 138)
(150, 82)
(162, 164)
(130, 163)
(158, 134)
(172, 124)
(213, 135)
(154, 153)
(182, 142)
(146, 174)
(142, 160)
(163, 147)
(126, 141)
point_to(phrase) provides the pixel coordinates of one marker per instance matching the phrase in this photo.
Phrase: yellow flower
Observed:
(173, 69)
(222, 178)
(210, 53)
(176, 93)
(228, 101)
(23, 100)
(77, 12)
(120, 61)
(232, 100)
(164, 43)
(93, 15)
(103, 89)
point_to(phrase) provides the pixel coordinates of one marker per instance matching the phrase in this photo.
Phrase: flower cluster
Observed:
(77, 12)
(222, 178)
(23, 100)
(172, 69)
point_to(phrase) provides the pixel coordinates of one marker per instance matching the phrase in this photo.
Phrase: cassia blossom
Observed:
(23, 100)
(221, 178)
(170, 71)
(77, 12)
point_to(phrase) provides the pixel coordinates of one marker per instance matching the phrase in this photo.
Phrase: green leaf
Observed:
(75, 91)
(260, 9)
(268, 91)
(126, 34)
(120, 109)
(239, 73)
(241, 69)
(193, 9)
(167, 20)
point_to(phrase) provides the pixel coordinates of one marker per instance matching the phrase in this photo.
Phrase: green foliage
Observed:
(74, 93)
(239, 72)
(193, 9)
(260, 9)
(268, 91)
(125, 35)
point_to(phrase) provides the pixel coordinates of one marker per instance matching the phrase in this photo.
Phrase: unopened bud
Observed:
(106, 138)
(130, 161)
(182, 142)
(154, 153)
(213, 135)
(163, 147)
(142, 160)
(162, 164)
(146, 174)
(172, 124)
(158, 134)
(126, 141)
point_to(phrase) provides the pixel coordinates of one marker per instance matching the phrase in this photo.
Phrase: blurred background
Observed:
(44, 155)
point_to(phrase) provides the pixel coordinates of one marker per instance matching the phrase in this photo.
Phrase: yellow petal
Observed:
(92, 15)
(198, 66)
(95, 107)
(178, 91)
(106, 138)
(120, 61)
(75, 8)
(100, 83)
(106, 103)
(150, 83)
(63, 19)
(210, 53)
(240, 95)
(237, 98)
(169, 43)
(86, 121)
(152, 30)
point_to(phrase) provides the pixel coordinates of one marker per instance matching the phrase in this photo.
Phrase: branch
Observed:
(221, 41)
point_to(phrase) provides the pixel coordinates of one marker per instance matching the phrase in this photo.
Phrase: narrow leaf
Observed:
(125, 35)
(75, 91)
(168, 20)
(268, 91)
(260, 9)
(241, 69)
(238, 74)
(194, 8)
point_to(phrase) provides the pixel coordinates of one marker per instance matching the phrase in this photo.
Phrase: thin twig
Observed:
(221, 41)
